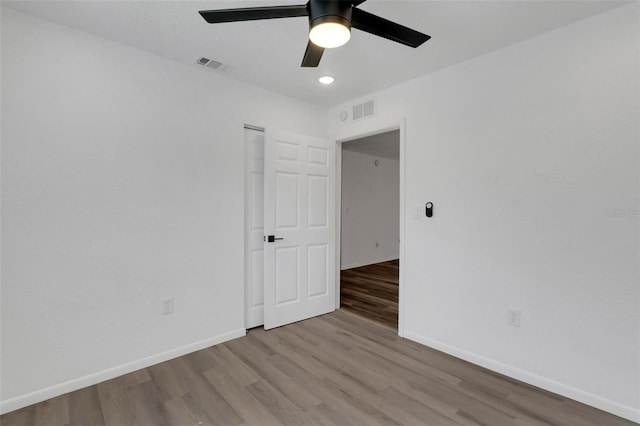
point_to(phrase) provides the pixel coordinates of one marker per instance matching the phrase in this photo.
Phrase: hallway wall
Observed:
(370, 209)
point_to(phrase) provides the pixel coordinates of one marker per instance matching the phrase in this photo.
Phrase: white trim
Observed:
(246, 297)
(546, 383)
(110, 373)
(368, 262)
(403, 184)
(373, 128)
(338, 215)
(245, 227)
(252, 127)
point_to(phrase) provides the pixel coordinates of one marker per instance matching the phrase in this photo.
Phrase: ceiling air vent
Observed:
(209, 63)
(364, 110)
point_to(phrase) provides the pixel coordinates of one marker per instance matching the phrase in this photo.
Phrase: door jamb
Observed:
(245, 186)
(346, 137)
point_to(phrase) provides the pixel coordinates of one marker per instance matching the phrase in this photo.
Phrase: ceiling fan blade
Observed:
(253, 13)
(381, 27)
(312, 55)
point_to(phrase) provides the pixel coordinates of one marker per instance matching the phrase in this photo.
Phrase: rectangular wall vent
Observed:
(364, 110)
(209, 63)
(214, 64)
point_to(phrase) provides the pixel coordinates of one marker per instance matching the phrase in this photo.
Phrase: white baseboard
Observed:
(367, 262)
(110, 373)
(588, 398)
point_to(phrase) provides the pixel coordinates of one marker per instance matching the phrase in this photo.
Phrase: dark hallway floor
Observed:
(372, 291)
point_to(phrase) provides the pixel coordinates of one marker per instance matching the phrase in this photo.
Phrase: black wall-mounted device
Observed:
(429, 209)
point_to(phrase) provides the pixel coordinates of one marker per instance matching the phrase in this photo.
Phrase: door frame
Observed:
(246, 233)
(350, 135)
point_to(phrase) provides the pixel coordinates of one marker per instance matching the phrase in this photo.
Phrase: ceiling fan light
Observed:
(329, 34)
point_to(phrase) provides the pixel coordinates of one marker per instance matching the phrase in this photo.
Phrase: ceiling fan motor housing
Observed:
(323, 11)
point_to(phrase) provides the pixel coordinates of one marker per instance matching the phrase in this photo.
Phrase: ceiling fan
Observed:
(330, 23)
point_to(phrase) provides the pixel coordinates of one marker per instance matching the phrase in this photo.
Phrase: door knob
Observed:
(272, 238)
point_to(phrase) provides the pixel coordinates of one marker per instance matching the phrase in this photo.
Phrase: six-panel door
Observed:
(299, 202)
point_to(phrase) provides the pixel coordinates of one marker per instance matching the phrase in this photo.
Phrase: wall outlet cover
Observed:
(513, 317)
(167, 305)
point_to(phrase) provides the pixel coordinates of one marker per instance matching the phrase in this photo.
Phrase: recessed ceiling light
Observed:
(326, 79)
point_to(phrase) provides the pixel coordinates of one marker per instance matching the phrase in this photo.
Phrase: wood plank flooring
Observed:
(338, 369)
(372, 291)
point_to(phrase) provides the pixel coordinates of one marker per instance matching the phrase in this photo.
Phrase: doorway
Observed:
(370, 227)
(290, 228)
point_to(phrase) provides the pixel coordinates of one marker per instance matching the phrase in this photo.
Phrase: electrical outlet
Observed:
(167, 305)
(513, 317)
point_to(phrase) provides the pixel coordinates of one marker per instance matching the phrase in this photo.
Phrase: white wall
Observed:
(524, 152)
(370, 209)
(122, 183)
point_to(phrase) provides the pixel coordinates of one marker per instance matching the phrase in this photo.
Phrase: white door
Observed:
(254, 228)
(299, 214)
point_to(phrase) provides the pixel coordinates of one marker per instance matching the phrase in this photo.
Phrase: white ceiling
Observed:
(268, 53)
(385, 145)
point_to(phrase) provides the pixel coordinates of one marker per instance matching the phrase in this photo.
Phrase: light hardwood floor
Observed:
(338, 369)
